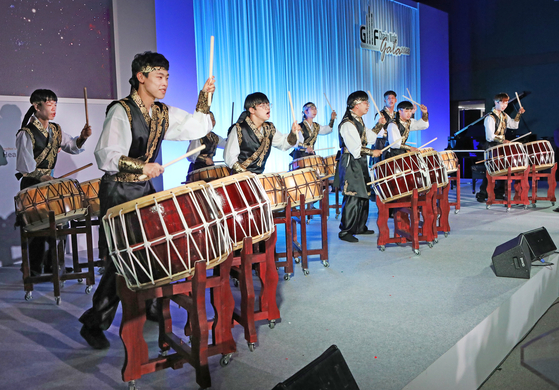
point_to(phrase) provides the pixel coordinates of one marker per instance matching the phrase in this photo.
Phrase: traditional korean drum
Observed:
(316, 162)
(246, 207)
(450, 161)
(91, 196)
(209, 173)
(302, 181)
(499, 158)
(330, 162)
(436, 167)
(62, 196)
(156, 239)
(541, 154)
(398, 176)
(275, 189)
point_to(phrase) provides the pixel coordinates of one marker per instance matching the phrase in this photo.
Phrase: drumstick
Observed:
(328, 101)
(75, 171)
(317, 150)
(517, 98)
(384, 178)
(411, 143)
(411, 100)
(211, 67)
(232, 112)
(522, 136)
(424, 145)
(480, 161)
(291, 104)
(374, 102)
(85, 101)
(393, 143)
(199, 148)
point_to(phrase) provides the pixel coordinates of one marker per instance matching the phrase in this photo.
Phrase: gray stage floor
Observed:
(391, 313)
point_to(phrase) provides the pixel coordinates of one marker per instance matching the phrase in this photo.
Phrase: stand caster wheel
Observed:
(325, 263)
(132, 385)
(80, 280)
(533, 205)
(417, 252)
(446, 234)
(456, 211)
(62, 283)
(57, 300)
(272, 324)
(553, 203)
(429, 244)
(487, 207)
(508, 209)
(29, 295)
(305, 272)
(437, 240)
(88, 289)
(337, 216)
(164, 353)
(225, 359)
(297, 260)
(235, 282)
(251, 347)
(308, 221)
(286, 277)
(382, 248)
(526, 207)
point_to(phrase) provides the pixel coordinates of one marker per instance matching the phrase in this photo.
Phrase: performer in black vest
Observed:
(38, 143)
(386, 115)
(204, 158)
(402, 125)
(310, 131)
(133, 130)
(250, 139)
(496, 124)
(352, 174)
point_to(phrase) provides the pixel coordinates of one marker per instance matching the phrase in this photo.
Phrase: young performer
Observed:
(401, 126)
(131, 139)
(310, 131)
(352, 174)
(204, 158)
(38, 143)
(496, 124)
(249, 140)
(386, 115)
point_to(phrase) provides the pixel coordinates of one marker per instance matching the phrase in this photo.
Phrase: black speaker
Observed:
(513, 258)
(540, 243)
(327, 372)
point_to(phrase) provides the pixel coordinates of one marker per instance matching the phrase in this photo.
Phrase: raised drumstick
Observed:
(522, 136)
(328, 101)
(291, 104)
(199, 148)
(211, 67)
(517, 98)
(75, 171)
(374, 102)
(85, 102)
(424, 145)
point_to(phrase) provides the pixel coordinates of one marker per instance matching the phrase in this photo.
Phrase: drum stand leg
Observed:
(285, 218)
(457, 180)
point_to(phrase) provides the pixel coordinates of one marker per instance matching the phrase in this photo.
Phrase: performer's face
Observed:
(405, 113)
(45, 110)
(156, 83)
(501, 105)
(311, 112)
(390, 101)
(261, 111)
(362, 108)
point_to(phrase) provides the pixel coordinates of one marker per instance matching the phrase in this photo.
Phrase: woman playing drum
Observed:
(310, 131)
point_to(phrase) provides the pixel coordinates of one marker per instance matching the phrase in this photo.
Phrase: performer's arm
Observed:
(326, 129)
(371, 135)
(423, 122)
(222, 142)
(73, 145)
(394, 134)
(286, 141)
(351, 139)
(490, 136)
(513, 123)
(114, 141)
(232, 151)
(25, 162)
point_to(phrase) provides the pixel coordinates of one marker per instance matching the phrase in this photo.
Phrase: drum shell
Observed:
(500, 157)
(436, 167)
(275, 190)
(91, 196)
(449, 160)
(302, 181)
(208, 174)
(540, 154)
(330, 163)
(316, 162)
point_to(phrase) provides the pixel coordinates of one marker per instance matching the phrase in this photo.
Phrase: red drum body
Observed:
(275, 189)
(450, 161)
(91, 196)
(302, 181)
(330, 162)
(398, 176)
(436, 167)
(62, 196)
(316, 162)
(246, 207)
(540, 154)
(156, 239)
(499, 158)
(209, 173)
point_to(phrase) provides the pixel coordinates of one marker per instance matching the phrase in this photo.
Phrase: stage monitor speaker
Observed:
(513, 258)
(327, 372)
(540, 243)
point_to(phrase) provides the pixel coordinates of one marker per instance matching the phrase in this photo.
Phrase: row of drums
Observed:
(519, 157)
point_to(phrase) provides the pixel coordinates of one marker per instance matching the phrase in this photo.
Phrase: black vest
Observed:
(40, 142)
(360, 129)
(249, 144)
(210, 142)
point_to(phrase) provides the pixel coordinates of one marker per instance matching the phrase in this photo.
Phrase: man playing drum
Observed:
(496, 124)
(38, 143)
(386, 115)
(352, 174)
(310, 131)
(133, 131)
(204, 158)
(402, 125)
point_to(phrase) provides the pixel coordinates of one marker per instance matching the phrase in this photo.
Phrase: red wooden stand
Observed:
(336, 204)
(522, 187)
(56, 233)
(284, 217)
(191, 295)
(442, 210)
(456, 179)
(264, 262)
(535, 176)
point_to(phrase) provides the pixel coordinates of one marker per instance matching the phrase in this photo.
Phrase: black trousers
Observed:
(355, 212)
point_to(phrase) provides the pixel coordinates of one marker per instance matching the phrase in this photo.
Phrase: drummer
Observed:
(496, 124)
(249, 140)
(310, 131)
(204, 158)
(402, 125)
(352, 174)
(387, 113)
(132, 134)
(38, 142)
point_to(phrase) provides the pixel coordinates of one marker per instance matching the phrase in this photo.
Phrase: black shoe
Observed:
(481, 199)
(152, 311)
(95, 338)
(500, 196)
(556, 210)
(368, 231)
(348, 237)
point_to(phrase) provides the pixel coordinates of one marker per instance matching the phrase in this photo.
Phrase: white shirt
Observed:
(352, 140)
(196, 143)
(116, 137)
(323, 130)
(394, 132)
(490, 128)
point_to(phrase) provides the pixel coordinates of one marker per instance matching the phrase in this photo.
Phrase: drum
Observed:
(499, 158)
(450, 161)
(275, 189)
(316, 162)
(302, 181)
(540, 154)
(398, 176)
(156, 239)
(209, 173)
(436, 167)
(62, 196)
(330, 163)
(91, 196)
(246, 207)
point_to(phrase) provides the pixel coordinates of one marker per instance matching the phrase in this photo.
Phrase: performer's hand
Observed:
(522, 110)
(209, 86)
(506, 141)
(333, 116)
(46, 178)
(377, 153)
(86, 132)
(412, 149)
(423, 108)
(310, 150)
(295, 128)
(152, 170)
(382, 120)
(209, 161)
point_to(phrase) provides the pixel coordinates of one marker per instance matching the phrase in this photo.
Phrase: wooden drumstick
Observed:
(374, 102)
(392, 144)
(411, 100)
(317, 150)
(85, 101)
(328, 101)
(75, 171)
(291, 104)
(211, 67)
(424, 145)
(522, 136)
(517, 98)
(480, 161)
(388, 177)
(199, 148)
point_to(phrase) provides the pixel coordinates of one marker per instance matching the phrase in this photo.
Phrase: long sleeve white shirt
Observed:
(394, 133)
(352, 140)
(490, 128)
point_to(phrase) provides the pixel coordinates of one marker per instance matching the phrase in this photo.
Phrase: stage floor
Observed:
(396, 317)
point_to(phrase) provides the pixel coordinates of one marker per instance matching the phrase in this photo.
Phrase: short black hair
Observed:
(147, 58)
(353, 97)
(501, 96)
(387, 93)
(404, 105)
(43, 95)
(255, 99)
